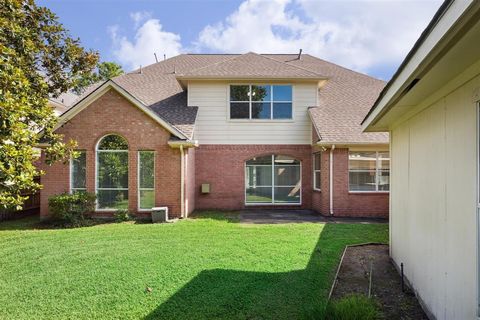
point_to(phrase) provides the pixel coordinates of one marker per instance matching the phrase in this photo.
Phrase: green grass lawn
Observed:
(205, 268)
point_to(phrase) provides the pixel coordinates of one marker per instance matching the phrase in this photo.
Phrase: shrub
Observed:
(71, 208)
(123, 215)
(354, 307)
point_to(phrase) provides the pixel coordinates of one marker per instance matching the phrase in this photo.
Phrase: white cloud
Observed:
(358, 34)
(149, 38)
(139, 17)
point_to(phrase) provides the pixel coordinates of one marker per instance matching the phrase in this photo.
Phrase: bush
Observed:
(71, 208)
(123, 215)
(354, 307)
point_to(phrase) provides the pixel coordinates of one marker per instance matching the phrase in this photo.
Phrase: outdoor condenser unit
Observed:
(159, 214)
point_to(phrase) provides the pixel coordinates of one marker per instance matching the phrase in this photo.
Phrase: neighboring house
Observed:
(218, 131)
(63, 102)
(431, 108)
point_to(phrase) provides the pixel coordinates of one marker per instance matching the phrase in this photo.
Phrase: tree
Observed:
(38, 59)
(105, 71)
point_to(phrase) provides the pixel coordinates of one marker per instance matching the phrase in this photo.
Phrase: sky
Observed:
(369, 36)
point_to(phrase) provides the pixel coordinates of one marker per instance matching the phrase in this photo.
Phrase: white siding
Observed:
(214, 127)
(433, 203)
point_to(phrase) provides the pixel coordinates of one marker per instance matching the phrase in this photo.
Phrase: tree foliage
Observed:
(38, 59)
(103, 72)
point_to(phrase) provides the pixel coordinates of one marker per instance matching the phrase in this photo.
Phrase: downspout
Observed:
(331, 178)
(182, 182)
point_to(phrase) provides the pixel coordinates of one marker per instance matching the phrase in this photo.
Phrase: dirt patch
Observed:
(386, 288)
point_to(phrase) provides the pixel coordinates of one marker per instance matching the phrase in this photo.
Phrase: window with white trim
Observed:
(317, 161)
(78, 172)
(146, 180)
(369, 171)
(273, 179)
(112, 173)
(261, 102)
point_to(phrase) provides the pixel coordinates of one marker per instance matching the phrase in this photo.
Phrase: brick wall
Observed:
(112, 113)
(223, 166)
(346, 203)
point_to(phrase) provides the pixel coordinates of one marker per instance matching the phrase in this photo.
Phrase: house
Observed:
(63, 102)
(431, 109)
(220, 131)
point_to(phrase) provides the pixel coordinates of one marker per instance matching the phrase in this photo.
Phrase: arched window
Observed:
(273, 179)
(112, 173)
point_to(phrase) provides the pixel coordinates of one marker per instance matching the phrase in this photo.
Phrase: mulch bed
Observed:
(386, 288)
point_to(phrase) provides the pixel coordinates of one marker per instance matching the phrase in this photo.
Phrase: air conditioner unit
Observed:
(159, 214)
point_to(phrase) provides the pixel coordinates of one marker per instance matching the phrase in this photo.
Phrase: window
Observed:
(259, 102)
(112, 173)
(316, 170)
(272, 179)
(146, 180)
(78, 172)
(369, 171)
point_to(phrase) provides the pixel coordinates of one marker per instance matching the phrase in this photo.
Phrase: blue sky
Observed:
(365, 35)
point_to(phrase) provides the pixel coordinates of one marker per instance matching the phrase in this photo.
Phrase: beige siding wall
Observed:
(214, 127)
(433, 202)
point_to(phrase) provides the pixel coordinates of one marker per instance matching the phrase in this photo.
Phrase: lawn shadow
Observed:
(34, 223)
(228, 294)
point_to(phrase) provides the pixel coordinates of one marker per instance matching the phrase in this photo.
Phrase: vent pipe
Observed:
(300, 54)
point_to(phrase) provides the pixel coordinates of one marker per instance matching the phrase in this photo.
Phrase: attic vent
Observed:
(410, 86)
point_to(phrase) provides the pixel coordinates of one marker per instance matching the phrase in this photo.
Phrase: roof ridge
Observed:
(259, 55)
(216, 63)
(344, 68)
(298, 67)
(151, 65)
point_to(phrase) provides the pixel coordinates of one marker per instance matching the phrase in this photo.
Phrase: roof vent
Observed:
(300, 54)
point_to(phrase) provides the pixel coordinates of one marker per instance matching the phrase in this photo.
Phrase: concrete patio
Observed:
(265, 216)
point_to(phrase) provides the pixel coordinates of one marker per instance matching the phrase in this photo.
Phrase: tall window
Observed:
(146, 180)
(78, 172)
(261, 102)
(316, 170)
(112, 173)
(369, 171)
(273, 179)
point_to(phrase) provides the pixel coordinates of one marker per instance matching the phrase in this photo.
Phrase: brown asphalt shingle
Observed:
(343, 101)
(249, 66)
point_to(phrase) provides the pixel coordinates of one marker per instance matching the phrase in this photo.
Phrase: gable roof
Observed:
(250, 66)
(343, 101)
(86, 100)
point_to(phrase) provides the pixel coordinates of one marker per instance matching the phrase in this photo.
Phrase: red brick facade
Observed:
(346, 203)
(222, 166)
(112, 113)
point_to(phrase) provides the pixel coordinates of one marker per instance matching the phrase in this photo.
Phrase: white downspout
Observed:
(331, 178)
(182, 182)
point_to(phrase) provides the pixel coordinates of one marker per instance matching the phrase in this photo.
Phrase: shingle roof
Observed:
(249, 66)
(343, 101)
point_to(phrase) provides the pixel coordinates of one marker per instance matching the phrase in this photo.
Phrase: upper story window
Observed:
(264, 102)
(369, 171)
